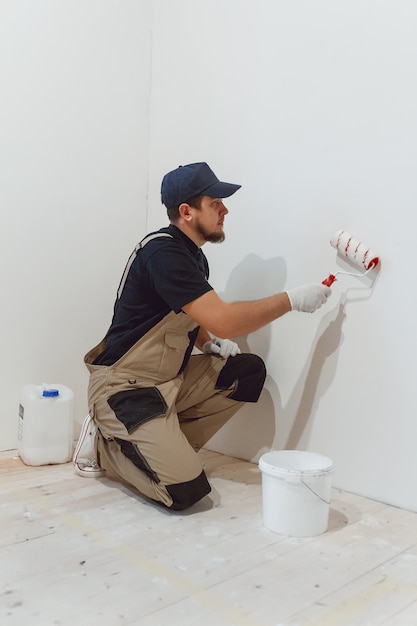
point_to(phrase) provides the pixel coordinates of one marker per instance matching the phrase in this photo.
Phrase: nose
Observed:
(224, 210)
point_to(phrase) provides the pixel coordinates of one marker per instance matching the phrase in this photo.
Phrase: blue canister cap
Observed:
(50, 393)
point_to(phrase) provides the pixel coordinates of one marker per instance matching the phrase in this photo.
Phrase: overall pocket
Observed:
(175, 348)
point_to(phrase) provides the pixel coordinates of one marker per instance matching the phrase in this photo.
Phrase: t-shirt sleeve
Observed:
(177, 276)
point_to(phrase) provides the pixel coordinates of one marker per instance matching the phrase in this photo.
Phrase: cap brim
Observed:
(220, 190)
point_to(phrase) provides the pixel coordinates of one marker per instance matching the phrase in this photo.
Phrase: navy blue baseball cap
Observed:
(193, 180)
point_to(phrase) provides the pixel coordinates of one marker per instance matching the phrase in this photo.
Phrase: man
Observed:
(152, 403)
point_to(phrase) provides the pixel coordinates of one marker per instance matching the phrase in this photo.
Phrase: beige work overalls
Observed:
(151, 420)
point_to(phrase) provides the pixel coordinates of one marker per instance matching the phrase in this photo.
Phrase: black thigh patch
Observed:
(137, 406)
(245, 374)
(132, 452)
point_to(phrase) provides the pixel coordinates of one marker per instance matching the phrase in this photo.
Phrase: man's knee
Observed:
(188, 493)
(183, 495)
(245, 374)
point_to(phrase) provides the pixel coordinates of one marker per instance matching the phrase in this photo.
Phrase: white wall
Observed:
(75, 80)
(311, 106)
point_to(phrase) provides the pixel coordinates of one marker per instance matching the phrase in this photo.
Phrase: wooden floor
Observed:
(87, 552)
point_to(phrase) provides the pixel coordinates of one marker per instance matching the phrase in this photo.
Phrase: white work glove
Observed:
(222, 347)
(308, 298)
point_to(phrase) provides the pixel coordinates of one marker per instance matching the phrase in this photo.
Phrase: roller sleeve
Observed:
(356, 251)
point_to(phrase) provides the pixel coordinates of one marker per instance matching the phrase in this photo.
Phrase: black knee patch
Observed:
(186, 494)
(246, 374)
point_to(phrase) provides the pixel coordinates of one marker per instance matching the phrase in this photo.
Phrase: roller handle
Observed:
(329, 280)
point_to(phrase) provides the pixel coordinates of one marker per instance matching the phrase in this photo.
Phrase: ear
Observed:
(185, 211)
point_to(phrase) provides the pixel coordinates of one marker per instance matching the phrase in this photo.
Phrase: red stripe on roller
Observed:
(339, 239)
(347, 246)
(356, 249)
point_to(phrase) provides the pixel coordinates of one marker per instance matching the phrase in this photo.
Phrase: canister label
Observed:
(20, 423)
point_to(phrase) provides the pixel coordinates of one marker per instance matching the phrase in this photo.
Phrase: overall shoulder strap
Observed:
(132, 257)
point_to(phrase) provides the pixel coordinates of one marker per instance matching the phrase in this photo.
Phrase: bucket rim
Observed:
(275, 469)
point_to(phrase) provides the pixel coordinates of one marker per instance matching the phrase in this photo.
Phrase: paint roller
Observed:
(357, 252)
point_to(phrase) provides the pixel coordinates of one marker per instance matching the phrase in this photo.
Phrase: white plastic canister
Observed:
(296, 489)
(45, 426)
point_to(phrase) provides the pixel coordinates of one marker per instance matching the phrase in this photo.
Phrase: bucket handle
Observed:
(315, 493)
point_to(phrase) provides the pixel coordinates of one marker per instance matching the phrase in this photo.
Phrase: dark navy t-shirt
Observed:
(167, 274)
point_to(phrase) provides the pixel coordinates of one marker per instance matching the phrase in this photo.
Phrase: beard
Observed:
(213, 236)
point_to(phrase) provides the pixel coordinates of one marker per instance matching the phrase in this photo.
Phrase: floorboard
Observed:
(89, 551)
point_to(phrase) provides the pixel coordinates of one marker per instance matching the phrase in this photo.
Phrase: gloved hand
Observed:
(222, 347)
(308, 298)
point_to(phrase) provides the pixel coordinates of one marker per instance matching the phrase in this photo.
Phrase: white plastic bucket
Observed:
(45, 424)
(296, 489)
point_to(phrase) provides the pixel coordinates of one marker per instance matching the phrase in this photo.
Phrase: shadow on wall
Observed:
(256, 278)
(295, 418)
(305, 393)
(312, 382)
(252, 279)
